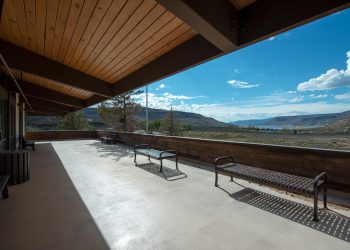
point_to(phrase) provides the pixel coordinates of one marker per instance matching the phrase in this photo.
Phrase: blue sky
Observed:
(303, 71)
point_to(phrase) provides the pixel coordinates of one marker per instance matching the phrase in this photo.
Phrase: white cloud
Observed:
(291, 92)
(241, 84)
(333, 78)
(232, 112)
(276, 104)
(162, 101)
(271, 38)
(237, 71)
(180, 97)
(345, 96)
(161, 86)
(297, 99)
(314, 96)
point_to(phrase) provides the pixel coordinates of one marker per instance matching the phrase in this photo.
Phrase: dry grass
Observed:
(326, 141)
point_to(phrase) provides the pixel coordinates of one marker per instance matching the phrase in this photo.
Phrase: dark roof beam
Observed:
(45, 111)
(266, 18)
(27, 61)
(215, 20)
(37, 102)
(32, 90)
(192, 52)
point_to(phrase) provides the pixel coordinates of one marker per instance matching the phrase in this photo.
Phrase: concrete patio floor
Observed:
(87, 195)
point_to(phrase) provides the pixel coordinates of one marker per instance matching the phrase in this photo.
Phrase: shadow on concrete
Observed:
(116, 151)
(168, 173)
(47, 212)
(331, 222)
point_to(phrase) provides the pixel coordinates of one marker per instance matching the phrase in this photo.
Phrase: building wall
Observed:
(11, 115)
(17, 120)
(3, 101)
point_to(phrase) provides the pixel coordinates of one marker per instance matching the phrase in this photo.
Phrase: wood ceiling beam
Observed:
(258, 21)
(45, 111)
(266, 18)
(32, 90)
(192, 52)
(27, 61)
(93, 100)
(37, 102)
(50, 110)
(215, 20)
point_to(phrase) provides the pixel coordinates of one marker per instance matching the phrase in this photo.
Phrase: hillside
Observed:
(334, 120)
(196, 120)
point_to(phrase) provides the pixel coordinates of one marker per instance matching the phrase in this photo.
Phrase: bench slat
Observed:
(153, 153)
(289, 181)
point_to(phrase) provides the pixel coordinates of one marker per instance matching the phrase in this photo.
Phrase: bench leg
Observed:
(231, 178)
(315, 205)
(177, 168)
(161, 165)
(5, 193)
(216, 178)
(149, 159)
(135, 157)
(325, 197)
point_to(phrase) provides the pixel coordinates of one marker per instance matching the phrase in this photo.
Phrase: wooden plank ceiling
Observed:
(107, 39)
(80, 52)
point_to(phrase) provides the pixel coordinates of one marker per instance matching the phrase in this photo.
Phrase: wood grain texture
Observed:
(97, 37)
(62, 15)
(53, 85)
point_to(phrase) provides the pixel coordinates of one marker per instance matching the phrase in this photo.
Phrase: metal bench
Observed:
(111, 137)
(307, 186)
(4, 179)
(146, 150)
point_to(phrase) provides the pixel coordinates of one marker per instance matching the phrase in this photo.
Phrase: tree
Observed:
(74, 121)
(170, 124)
(155, 125)
(187, 127)
(119, 112)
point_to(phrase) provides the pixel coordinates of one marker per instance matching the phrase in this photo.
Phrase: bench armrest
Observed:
(319, 177)
(168, 151)
(219, 159)
(139, 146)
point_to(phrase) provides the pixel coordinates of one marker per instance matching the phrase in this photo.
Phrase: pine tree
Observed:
(170, 125)
(74, 121)
(119, 112)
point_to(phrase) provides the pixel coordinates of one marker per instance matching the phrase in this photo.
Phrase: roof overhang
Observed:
(69, 57)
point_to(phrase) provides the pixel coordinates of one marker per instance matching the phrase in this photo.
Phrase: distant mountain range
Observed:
(331, 121)
(195, 120)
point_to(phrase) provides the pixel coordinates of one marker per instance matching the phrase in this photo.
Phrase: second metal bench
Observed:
(300, 184)
(146, 150)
